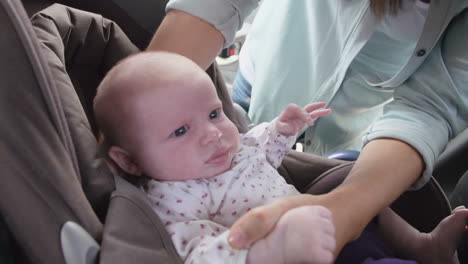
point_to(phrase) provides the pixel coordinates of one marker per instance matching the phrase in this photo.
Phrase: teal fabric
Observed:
(302, 52)
(351, 118)
(358, 103)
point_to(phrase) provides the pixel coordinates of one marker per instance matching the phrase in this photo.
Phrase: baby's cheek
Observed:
(181, 163)
(233, 132)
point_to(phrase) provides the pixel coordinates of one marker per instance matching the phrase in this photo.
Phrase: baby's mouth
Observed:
(219, 157)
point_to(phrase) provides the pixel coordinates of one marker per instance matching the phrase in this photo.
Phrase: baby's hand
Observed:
(294, 118)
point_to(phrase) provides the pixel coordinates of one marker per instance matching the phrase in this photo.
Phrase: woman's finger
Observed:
(259, 222)
(254, 225)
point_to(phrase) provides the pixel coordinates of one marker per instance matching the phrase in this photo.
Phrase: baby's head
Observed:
(162, 118)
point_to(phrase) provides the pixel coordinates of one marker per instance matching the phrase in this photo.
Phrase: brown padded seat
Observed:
(40, 165)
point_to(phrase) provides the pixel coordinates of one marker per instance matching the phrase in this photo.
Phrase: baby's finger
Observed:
(255, 224)
(314, 106)
(319, 113)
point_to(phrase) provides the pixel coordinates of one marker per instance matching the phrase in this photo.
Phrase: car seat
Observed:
(41, 185)
(52, 175)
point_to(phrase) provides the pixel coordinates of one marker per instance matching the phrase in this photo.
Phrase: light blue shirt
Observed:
(302, 52)
(358, 104)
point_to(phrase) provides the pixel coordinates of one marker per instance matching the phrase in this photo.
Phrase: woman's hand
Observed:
(258, 222)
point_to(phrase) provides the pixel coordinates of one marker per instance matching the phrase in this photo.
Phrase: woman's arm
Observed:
(385, 169)
(200, 29)
(189, 36)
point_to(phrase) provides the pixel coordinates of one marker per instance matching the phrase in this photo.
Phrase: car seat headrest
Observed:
(86, 44)
(80, 47)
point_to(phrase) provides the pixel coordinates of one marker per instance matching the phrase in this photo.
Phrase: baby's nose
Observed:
(212, 134)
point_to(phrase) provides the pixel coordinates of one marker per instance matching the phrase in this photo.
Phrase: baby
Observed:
(162, 120)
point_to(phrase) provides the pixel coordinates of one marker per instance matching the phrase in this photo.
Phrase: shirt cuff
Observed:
(285, 140)
(415, 136)
(227, 16)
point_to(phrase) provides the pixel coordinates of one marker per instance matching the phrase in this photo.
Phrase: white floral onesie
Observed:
(199, 213)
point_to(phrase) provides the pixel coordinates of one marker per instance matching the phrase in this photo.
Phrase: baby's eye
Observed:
(180, 131)
(214, 114)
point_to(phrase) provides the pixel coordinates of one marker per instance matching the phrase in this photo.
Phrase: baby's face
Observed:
(182, 133)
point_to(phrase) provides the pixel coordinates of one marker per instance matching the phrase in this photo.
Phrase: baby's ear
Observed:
(123, 159)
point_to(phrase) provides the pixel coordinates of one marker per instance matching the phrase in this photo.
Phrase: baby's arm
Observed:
(277, 137)
(302, 235)
(294, 118)
(184, 208)
(204, 241)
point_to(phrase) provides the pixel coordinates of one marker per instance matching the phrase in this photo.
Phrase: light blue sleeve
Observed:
(225, 15)
(431, 107)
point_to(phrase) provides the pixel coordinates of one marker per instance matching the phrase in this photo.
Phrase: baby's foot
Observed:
(443, 241)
